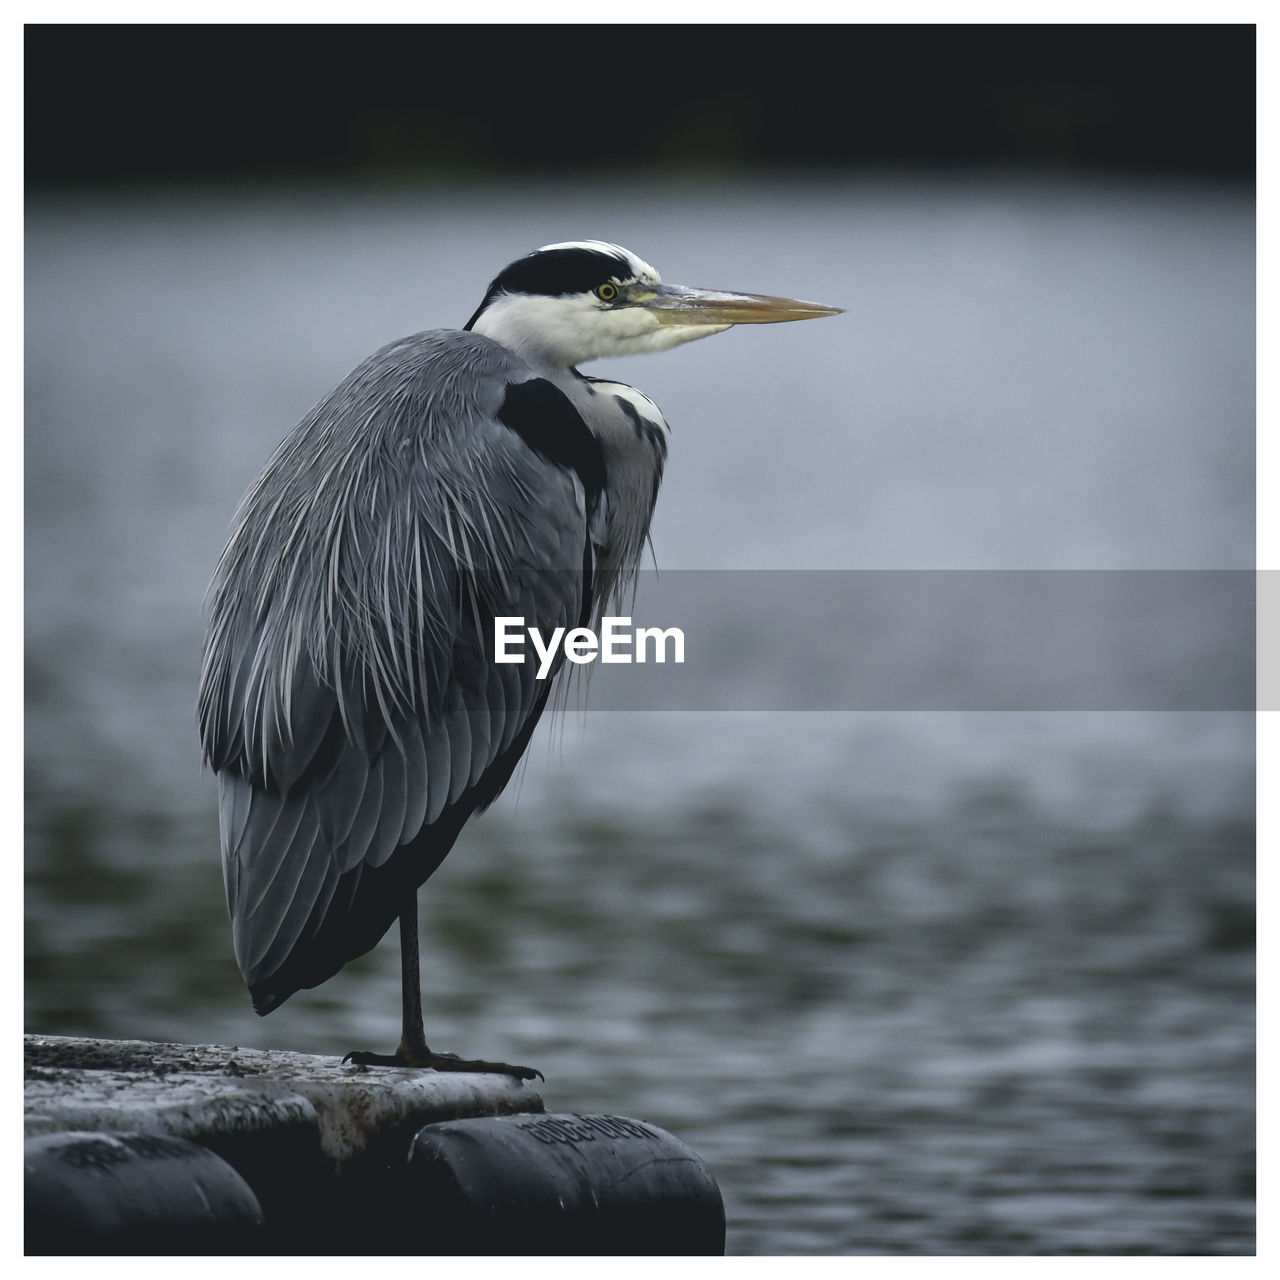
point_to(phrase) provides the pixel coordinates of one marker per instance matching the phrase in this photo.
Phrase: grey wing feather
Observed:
(416, 790)
(437, 752)
(344, 699)
(277, 828)
(459, 730)
(394, 804)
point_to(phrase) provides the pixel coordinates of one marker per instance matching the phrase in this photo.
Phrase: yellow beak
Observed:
(676, 304)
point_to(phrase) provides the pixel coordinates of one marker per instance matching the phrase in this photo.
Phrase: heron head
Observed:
(567, 303)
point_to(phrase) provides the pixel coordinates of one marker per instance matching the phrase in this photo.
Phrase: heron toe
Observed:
(440, 1062)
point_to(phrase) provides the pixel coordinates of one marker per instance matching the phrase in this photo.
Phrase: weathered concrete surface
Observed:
(275, 1107)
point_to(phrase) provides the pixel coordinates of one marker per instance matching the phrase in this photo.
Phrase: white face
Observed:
(567, 329)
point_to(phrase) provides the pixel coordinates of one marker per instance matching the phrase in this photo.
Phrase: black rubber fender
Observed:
(113, 1193)
(561, 1184)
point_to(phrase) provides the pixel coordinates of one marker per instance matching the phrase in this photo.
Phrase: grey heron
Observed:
(348, 701)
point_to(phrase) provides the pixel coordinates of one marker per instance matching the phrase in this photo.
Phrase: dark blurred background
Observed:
(123, 104)
(913, 981)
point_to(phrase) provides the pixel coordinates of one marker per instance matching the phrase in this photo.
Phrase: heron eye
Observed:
(607, 292)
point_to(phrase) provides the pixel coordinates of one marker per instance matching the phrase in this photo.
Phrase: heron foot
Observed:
(424, 1057)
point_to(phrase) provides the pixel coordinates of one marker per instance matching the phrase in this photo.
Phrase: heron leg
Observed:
(413, 1039)
(413, 1050)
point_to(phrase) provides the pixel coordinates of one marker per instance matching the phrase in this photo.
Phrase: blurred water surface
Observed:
(911, 982)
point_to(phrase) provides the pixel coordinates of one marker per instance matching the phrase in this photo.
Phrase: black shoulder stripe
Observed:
(545, 419)
(638, 424)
